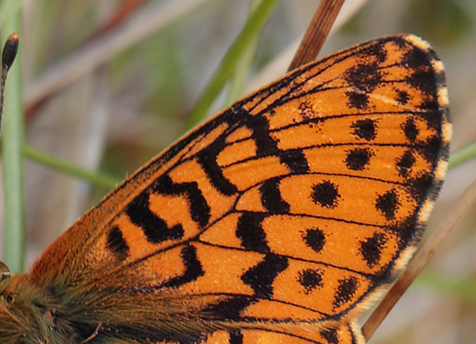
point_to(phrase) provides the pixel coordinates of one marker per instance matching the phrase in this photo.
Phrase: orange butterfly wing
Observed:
(278, 221)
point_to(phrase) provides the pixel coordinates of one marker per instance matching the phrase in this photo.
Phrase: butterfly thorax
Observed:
(84, 313)
(25, 314)
(47, 314)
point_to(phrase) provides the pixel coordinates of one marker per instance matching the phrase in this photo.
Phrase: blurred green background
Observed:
(109, 84)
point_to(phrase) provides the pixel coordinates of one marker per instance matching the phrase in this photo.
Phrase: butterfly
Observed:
(277, 221)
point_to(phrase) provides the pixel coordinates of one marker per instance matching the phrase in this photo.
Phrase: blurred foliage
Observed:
(441, 21)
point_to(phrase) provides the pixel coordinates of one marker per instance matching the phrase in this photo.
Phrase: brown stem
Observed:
(316, 33)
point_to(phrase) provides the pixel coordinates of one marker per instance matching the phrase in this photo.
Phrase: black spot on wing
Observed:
(306, 110)
(271, 197)
(357, 100)
(261, 277)
(420, 187)
(371, 248)
(388, 204)
(402, 97)
(345, 291)
(405, 163)
(295, 160)
(251, 233)
(193, 268)
(325, 194)
(431, 149)
(315, 239)
(310, 279)
(357, 159)
(155, 229)
(410, 129)
(363, 78)
(199, 208)
(116, 244)
(365, 129)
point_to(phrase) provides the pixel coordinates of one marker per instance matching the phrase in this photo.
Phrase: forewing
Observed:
(285, 214)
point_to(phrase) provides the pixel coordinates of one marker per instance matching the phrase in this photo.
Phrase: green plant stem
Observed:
(10, 9)
(95, 178)
(462, 155)
(12, 162)
(240, 75)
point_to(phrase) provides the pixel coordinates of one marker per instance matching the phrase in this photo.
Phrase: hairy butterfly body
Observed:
(278, 221)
